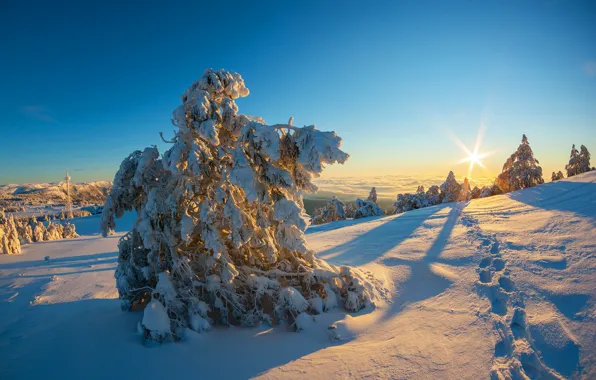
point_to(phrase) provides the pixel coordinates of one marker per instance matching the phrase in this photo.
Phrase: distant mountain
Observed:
(86, 192)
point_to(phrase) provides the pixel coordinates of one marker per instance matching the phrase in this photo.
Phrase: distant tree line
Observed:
(15, 232)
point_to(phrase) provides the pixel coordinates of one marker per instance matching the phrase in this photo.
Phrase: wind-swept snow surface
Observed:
(500, 287)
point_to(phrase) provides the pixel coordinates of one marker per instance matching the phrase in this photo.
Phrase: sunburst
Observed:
(473, 156)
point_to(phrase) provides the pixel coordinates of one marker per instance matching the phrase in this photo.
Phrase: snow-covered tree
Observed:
(476, 192)
(54, 231)
(450, 189)
(573, 166)
(420, 189)
(350, 210)
(334, 210)
(39, 232)
(489, 191)
(24, 231)
(372, 197)
(9, 237)
(557, 176)
(584, 160)
(367, 208)
(465, 192)
(433, 195)
(220, 231)
(521, 170)
(407, 202)
(69, 231)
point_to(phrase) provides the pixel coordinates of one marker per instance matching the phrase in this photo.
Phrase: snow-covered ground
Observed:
(504, 285)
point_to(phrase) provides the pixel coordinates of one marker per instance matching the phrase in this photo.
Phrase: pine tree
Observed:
(476, 192)
(39, 232)
(557, 176)
(573, 166)
(433, 195)
(69, 231)
(9, 237)
(450, 189)
(521, 170)
(367, 208)
(220, 233)
(372, 197)
(334, 210)
(584, 160)
(465, 193)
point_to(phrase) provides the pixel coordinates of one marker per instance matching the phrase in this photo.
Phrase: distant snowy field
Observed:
(504, 284)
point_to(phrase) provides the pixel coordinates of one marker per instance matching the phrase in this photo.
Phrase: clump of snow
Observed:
(156, 322)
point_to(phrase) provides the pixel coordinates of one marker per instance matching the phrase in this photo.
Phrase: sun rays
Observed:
(474, 157)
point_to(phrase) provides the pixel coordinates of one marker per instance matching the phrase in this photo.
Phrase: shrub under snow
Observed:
(220, 232)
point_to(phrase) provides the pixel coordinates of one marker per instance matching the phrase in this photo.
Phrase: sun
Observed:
(474, 157)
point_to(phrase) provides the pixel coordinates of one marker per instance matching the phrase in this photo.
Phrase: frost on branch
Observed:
(219, 237)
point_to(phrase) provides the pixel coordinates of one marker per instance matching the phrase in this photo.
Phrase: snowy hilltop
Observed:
(500, 287)
(88, 192)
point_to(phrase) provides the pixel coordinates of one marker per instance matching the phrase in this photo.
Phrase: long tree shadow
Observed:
(373, 244)
(65, 262)
(102, 340)
(423, 283)
(562, 196)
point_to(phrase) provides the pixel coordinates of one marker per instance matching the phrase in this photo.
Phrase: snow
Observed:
(503, 285)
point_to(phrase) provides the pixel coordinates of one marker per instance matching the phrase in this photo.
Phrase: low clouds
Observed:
(388, 187)
(590, 69)
(41, 113)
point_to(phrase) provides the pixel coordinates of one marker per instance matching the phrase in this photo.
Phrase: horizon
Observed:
(84, 96)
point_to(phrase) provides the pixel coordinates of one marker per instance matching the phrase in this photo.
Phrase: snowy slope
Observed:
(503, 285)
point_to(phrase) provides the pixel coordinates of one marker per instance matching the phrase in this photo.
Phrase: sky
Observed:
(83, 84)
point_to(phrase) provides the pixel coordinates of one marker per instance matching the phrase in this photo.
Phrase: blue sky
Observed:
(83, 84)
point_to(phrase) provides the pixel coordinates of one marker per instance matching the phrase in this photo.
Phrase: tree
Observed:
(220, 231)
(372, 197)
(573, 166)
(39, 232)
(367, 208)
(557, 176)
(465, 193)
(450, 189)
(476, 192)
(69, 231)
(9, 238)
(521, 170)
(420, 189)
(433, 195)
(334, 210)
(407, 202)
(584, 160)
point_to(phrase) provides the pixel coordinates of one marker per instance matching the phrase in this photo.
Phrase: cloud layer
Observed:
(349, 188)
